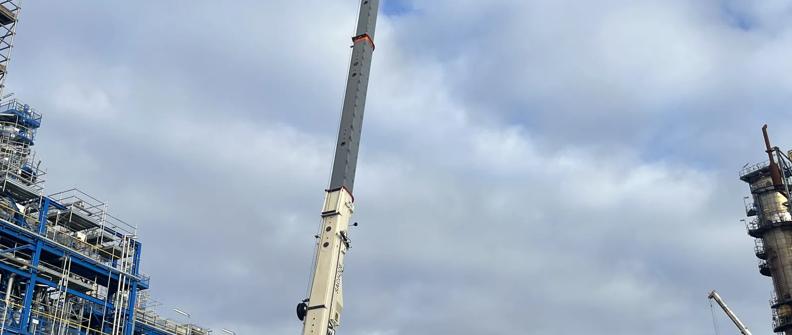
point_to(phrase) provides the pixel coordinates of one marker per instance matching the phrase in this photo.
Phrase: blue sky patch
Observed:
(735, 18)
(396, 7)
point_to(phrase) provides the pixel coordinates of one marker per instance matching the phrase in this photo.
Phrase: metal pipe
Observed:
(775, 172)
(743, 329)
(7, 301)
(182, 312)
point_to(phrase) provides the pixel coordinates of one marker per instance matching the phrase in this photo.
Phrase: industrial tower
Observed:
(321, 312)
(67, 266)
(770, 223)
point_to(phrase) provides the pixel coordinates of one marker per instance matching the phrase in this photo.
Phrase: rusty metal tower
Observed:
(770, 223)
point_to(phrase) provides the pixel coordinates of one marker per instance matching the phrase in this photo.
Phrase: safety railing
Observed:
(19, 124)
(27, 115)
(781, 322)
(54, 272)
(752, 224)
(776, 301)
(52, 310)
(105, 253)
(759, 248)
(764, 267)
(46, 322)
(80, 201)
(750, 208)
(753, 168)
(152, 319)
(767, 220)
(77, 201)
(17, 167)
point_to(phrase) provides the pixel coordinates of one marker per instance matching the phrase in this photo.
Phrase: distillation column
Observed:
(321, 312)
(770, 223)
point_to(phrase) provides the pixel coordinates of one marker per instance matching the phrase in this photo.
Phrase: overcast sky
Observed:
(527, 166)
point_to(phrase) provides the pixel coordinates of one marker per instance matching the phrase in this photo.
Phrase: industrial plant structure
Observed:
(770, 223)
(67, 266)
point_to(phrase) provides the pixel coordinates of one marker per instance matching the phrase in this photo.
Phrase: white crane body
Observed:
(741, 326)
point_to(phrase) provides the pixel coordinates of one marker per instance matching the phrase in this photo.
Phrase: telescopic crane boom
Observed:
(321, 312)
(743, 329)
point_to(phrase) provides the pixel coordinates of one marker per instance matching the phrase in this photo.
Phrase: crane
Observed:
(321, 311)
(743, 329)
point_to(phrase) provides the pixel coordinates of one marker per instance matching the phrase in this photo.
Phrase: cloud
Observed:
(544, 167)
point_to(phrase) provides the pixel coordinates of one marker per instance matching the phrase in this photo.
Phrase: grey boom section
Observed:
(348, 143)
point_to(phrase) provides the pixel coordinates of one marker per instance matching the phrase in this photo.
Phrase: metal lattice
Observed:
(9, 14)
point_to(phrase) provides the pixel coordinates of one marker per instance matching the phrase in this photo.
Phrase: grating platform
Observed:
(75, 219)
(113, 249)
(17, 189)
(99, 236)
(19, 117)
(6, 16)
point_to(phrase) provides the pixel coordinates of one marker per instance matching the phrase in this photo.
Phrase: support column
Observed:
(24, 322)
(133, 291)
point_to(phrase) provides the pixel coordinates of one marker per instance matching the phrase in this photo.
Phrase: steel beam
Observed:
(348, 143)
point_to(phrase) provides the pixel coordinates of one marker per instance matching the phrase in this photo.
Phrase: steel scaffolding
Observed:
(67, 266)
(9, 13)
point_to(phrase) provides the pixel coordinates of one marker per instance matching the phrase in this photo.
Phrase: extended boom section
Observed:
(348, 142)
(737, 322)
(321, 312)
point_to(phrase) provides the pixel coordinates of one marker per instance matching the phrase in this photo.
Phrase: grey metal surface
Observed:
(75, 219)
(17, 189)
(348, 144)
(773, 225)
(774, 228)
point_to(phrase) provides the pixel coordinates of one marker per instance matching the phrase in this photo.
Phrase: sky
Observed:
(528, 167)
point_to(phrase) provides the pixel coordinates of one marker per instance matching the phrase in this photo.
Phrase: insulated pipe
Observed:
(775, 172)
(743, 329)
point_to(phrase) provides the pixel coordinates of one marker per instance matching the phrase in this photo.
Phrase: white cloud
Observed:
(523, 162)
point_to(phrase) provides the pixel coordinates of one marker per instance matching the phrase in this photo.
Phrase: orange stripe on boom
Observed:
(364, 37)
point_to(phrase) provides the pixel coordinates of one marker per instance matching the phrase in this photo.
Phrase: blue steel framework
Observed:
(67, 266)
